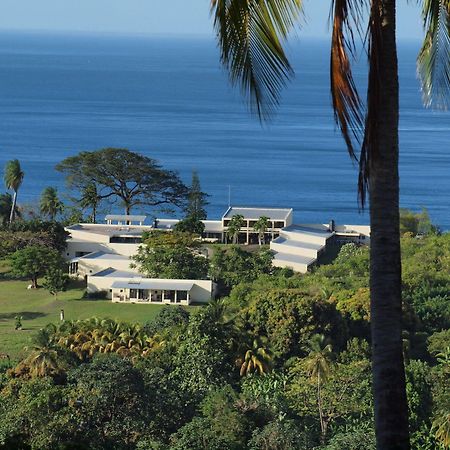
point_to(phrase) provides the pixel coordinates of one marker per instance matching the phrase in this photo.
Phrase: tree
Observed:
(56, 280)
(196, 199)
(34, 261)
(6, 202)
(44, 359)
(318, 367)
(416, 223)
(234, 227)
(21, 234)
(195, 209)
(256, 359)
(232, 266)
(13, 180)
(121, 174)
(171, 255)
(251, 36)
(261, 226)
(50, 204)
(190, 224)
(90, 199)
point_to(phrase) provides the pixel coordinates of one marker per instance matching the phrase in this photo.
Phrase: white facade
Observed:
(129, 287)
(98, 261)
(299, 246)
(90, 238)
(278, 218)
(95, 247)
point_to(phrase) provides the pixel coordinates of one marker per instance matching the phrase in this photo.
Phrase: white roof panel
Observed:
(147, 283)
(124, 217)
(256, 213)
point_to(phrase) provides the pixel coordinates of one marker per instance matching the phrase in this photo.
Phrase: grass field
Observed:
(38, 308)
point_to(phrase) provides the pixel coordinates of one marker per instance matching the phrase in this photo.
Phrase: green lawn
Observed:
(38, 308)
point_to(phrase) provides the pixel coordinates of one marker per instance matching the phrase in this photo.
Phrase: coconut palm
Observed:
(251, 34)
(441, 428)
(319, 364)
(13, 179)
(234, 227)
(44, 359)
(6, 202)
(261, 226)
(50, 204)
(256, 357)
(90, 198)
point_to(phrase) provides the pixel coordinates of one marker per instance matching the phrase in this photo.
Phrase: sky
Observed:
(159, 17)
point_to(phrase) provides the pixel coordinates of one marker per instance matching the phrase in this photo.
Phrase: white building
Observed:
(102, 252)
(128, 287)
(299, 246)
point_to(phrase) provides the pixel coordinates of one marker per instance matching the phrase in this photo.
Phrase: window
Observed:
(182, 296)
(169, 295)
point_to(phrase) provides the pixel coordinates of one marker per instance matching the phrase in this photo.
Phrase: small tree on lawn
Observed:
(56, 280)
(33, 262)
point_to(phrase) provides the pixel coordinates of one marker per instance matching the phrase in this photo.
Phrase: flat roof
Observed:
(124, 217)
(254, 213)
(211, 226)
(110, 229)
(308, 230)
(114, 273)
(150, 283)
(104, 255)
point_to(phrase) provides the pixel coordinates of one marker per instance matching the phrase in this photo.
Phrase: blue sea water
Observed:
(169, 99)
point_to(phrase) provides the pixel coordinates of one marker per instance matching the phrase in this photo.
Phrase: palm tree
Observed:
(234, 227)
(50, 204)
(6, 202)
(318, 367)
(44, 359)
(251, 35)
(13, 179)
(90, 198)
(256, 357)
(261, 226)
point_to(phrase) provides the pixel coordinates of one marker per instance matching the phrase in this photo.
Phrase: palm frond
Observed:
(433, 62)
(250, 35)
(370, 142)
(347, 106)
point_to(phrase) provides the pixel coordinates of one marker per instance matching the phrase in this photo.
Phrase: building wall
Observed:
(92, 266)
(201, 292)
(73, 247)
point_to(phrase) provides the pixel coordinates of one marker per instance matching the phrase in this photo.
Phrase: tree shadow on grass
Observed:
(26, 315)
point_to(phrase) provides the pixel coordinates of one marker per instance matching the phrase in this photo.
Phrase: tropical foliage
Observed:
(13, 178)
(33, 261)
(50, 205)
(282, 362)
(171, 255)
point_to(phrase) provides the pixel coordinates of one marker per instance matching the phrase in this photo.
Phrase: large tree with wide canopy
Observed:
(119, 174)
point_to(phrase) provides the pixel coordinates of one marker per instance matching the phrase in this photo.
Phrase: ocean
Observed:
(169, 98)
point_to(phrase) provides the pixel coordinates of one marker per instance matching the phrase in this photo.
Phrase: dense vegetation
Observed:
(282, 362)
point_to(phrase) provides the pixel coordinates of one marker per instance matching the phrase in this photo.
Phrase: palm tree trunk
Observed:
(319, 404)
(13, 208)
(391, 411)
